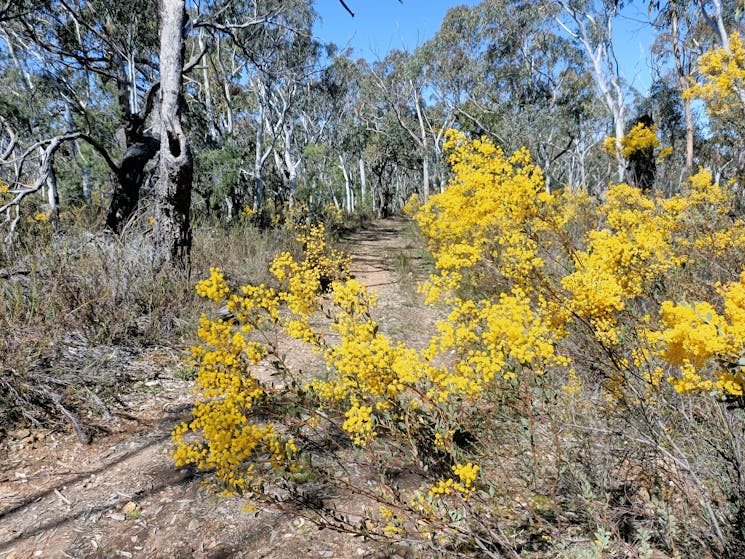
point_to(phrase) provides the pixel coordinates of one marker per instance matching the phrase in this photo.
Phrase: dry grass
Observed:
(76, 307)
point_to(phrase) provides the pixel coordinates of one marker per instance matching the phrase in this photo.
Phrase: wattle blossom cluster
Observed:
(723, 85)
(228, 432)
(639, 138)
(554, 282)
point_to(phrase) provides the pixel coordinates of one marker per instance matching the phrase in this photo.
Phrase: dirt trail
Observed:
(386, 259)
(122, 497)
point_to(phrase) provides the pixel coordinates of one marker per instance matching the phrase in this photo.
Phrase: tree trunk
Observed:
(85, 172)
(423, 144)
(425, 174)
(683, 84)
(207, 91)
(172, 232)
(620, 126)
(130, 177)
(384, 197)
(363, 181)
(52, 194)
(689, 136)
(348, 197)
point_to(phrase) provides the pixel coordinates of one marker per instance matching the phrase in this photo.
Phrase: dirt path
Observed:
(121, 496)
(386, 258)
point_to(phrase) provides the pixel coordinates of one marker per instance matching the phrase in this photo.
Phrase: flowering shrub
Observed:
(626, 310)
(233, 441)
(723, 85)
(639, 138)
(4, 192)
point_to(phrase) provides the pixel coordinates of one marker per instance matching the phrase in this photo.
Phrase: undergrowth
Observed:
(583, 397)
(77, 307)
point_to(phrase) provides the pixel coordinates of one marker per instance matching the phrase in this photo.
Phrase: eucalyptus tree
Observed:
(102, 63)
(308, 105)
(686, 29)
(402, 97)
(503, 69)
(345, 130)
(78, 50)
(677, 38)
(269, 62)
(590, 24)
(327, 137)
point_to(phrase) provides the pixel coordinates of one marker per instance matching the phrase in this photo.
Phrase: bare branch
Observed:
(47, 156)
(344, 4)
(12, 140)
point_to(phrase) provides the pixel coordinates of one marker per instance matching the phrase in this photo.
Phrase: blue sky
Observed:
(382, 25)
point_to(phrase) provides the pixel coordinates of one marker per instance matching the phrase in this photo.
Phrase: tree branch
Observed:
(344, 4)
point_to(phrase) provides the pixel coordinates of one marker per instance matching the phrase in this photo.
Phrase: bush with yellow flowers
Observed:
(723, 86)
(586, 383)
(639, 138)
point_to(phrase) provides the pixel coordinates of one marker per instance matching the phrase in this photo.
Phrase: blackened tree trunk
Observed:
(172, 232)
(130, 177)
(642, 164)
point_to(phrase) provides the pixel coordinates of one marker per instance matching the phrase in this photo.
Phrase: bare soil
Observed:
(121, 495)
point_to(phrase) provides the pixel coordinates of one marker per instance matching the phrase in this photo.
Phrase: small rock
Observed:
(220, 551)
(21, 434)
(117, 516)
(193, 525)
(326, 553)
(129, 508)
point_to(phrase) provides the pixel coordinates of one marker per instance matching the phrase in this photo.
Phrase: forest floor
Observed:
(121, 495)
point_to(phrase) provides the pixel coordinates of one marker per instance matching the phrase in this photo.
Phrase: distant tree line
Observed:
(235, 108)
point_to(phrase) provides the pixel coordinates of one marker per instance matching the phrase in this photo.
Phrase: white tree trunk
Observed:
(52, 193)
(597, 42)
(348, 195)
(172, 232)
(207, 90)
(423, 144)
(683, 85)
(363, 182)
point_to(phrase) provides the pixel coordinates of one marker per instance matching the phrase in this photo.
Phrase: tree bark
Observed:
(172, 232)
(423, 144)
(348, 196)
(130, 177)
(682, 84)
(207, 91)
(363, 181)
(52, 194)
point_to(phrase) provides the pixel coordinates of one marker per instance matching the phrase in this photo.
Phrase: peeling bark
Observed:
(172, 232)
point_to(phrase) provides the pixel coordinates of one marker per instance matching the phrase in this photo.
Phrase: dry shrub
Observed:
(69, 298)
